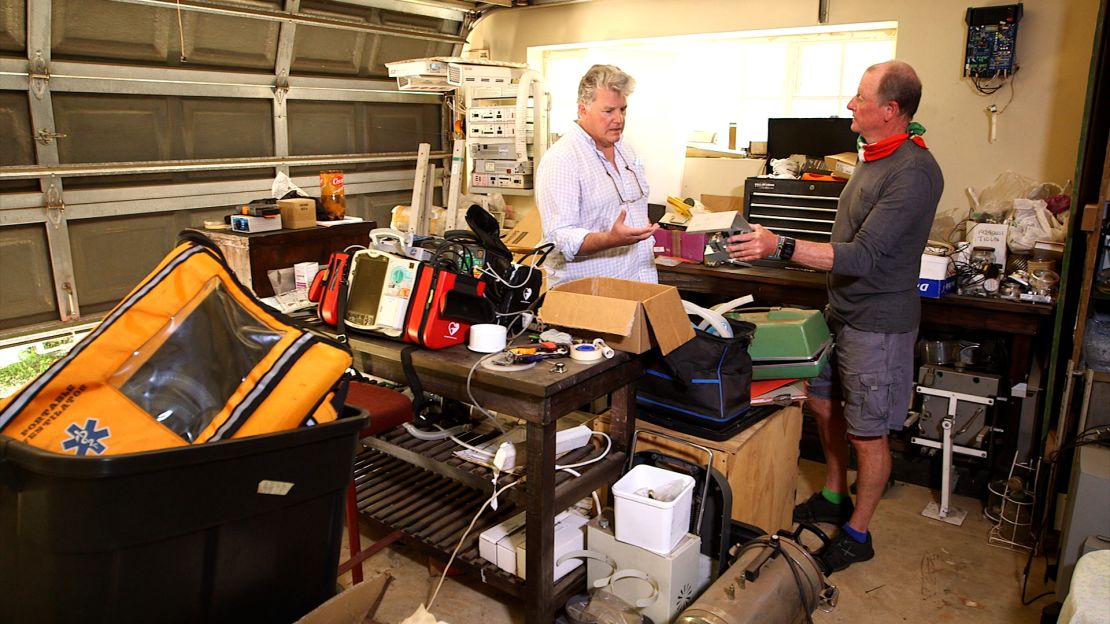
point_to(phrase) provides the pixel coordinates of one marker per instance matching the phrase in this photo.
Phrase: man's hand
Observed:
(620, 235)
(759, 243)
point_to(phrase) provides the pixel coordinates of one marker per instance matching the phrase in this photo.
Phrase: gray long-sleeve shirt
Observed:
(882, 224)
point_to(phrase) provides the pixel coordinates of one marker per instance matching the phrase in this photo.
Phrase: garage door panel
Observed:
(26, 283)
(227, 128)
(111, 256)
(328, 51)
(110, 128)
(13, 26)
(99, 29)
(230, 42)
(15, 127)
(323, 127)
(105, 30)
(400, 128)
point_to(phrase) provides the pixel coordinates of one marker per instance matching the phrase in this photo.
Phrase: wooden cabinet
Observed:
(760, 463)
(252, 255)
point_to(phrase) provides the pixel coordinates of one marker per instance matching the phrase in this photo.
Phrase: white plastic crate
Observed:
(643, 521)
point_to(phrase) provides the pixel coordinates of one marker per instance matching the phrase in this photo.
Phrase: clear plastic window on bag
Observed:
(185, 374)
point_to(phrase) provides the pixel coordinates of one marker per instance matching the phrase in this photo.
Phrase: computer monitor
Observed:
(814, 137)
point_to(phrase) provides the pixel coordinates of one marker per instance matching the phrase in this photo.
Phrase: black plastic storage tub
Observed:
(239, 531)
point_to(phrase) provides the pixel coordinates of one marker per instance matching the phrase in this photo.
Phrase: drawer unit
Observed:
(802, 209)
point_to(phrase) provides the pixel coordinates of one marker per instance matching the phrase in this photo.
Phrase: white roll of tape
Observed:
(488, 338)
(585, 353)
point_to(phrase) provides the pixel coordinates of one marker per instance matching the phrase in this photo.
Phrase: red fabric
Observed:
(881, 149)
(387, 408)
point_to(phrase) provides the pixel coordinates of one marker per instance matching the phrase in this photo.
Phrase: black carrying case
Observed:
(702, 387)
(241, 530)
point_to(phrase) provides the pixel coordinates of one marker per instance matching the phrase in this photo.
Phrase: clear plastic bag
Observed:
(1032, 222)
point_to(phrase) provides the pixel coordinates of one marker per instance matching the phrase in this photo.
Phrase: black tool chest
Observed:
(802, 209)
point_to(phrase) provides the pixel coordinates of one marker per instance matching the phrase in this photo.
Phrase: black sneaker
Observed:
(820, 509)
(843, 551)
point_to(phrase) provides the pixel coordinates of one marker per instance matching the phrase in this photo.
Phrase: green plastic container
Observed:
(789, 342)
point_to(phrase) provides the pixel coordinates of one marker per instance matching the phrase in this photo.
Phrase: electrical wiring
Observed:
(597, 501)
(470, 393)
(531, 268)
(462, 539)
(608, 446)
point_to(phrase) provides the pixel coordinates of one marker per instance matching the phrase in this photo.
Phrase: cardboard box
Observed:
(527, 234)
(842, 165)
(251, 225)
(937, 277)
(297, 214)
(991, 235)
(570, 535)
(489, 539)
(680, 244)
(630, 316)
(722, 203)
(354, 605)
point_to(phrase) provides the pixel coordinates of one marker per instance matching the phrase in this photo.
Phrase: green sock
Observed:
(833, 497)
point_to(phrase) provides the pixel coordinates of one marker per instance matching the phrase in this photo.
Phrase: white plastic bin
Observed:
(652, 524)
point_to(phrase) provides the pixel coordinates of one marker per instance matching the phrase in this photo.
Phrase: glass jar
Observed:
(332, 195)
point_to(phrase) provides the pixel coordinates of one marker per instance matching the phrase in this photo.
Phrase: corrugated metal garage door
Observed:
(124, 121)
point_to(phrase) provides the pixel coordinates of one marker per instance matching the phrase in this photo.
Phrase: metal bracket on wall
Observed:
(47, 136)
(281, 86)
(40, 75)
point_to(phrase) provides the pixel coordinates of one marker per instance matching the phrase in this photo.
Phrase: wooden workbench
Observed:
(423, 490)
(1019, 323)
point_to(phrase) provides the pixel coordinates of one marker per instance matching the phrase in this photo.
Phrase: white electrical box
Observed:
(417, 67)
(499, 180)
(467, 75)
(504, 167)
(681, 575)
(497, 130)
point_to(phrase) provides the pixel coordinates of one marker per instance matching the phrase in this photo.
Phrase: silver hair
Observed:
(607, 77)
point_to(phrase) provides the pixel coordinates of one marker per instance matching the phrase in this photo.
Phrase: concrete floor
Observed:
(924, 571)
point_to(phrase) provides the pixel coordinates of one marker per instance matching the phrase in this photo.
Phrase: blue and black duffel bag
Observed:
(704, 386)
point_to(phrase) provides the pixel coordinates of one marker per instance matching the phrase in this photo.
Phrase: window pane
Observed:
(818, 69)
(816, 107)
(860, 55)
(752, 119)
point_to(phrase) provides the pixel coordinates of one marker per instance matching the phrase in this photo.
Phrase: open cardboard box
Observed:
(351, 606)
(527, 234)
(630, 316)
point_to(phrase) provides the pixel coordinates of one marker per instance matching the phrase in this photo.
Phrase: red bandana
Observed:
(881, 149)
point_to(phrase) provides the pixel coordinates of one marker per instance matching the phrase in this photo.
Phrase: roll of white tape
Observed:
(488, 338)
(585, 353)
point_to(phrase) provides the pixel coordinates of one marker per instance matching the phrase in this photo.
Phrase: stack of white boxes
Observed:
(503, 544)
(494, 146)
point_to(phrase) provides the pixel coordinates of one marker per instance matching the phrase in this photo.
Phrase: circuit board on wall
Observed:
(991, 40)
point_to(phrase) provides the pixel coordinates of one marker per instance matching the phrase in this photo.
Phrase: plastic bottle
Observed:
(332, 194)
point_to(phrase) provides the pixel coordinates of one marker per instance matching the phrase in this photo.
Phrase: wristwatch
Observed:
(787, 251)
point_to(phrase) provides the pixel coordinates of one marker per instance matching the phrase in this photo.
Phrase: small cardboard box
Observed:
(298, 213)
(251, 225)
(991, 235)
(680, 244)
(937, 277)
(842, 165)
(722, 203)
(527, 234)
(630, 316)
(489, 539)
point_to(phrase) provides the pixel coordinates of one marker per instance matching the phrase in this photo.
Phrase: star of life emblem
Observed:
(86, 438)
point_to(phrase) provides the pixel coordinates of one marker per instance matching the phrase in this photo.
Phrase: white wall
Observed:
(1038, 136)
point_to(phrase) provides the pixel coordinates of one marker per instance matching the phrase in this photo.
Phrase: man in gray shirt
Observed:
(882, 222)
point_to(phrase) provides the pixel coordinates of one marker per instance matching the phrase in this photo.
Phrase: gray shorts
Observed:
(873, 374)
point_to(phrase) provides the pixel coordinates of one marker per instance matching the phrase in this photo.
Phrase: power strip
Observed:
(573, 438)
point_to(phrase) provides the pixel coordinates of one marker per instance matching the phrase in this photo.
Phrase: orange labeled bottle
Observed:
(332, 194)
